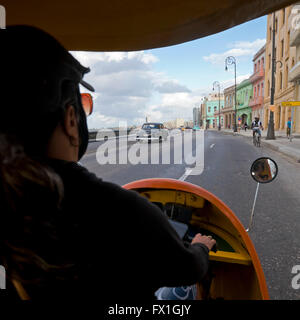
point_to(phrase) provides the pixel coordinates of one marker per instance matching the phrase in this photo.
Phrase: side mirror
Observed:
(264, 170)
(87, 103)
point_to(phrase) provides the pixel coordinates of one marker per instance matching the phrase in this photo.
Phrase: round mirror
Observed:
(264, 170)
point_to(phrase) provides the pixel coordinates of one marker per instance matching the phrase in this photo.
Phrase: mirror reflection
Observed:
(264, 170)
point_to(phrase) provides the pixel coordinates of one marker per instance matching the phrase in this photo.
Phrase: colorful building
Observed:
(211, 106)
(228, 112)
(257, 79)
(294, 72)
(243, 94)
(284, 90)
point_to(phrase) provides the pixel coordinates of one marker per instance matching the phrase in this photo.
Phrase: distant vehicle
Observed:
(182, 128)
(188, 128)
(152, 132)
(195, 128)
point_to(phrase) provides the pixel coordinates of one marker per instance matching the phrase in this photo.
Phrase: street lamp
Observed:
(229, 61)
(217, 84)
(271, 129)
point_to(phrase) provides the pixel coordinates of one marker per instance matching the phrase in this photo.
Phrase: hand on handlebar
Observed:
(207, 240)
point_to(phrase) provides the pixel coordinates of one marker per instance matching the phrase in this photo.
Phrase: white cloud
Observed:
(237, 49)
(175, 105)
(125, 85)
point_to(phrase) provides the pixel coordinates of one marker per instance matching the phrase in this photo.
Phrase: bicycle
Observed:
(256, 139)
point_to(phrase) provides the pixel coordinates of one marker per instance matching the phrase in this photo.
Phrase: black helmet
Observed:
(36, 70)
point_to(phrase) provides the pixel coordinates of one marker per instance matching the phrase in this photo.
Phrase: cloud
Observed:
(238, 49)
(175, 105)
(171, 87)
(126, 85)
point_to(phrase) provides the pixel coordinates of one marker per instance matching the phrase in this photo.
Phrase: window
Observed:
(283, 16)
(276, 25)
(254, 67)
(288, 41)
(270, 61)
(262, 63)
(215, 108)
(286, 76)
(270, 33)
(268, 88)
(258, 90)
(258, 65)
(254, 91)
(282, 48)
(262, 89)
(280, 79)
(209, 109)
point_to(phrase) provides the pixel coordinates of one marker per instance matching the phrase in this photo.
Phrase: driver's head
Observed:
(39, 85)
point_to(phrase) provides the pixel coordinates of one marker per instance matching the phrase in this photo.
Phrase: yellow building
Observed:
(229, 107)
(294, 73)
(285, 61)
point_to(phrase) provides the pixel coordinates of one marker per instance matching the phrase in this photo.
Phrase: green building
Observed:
(211, 113)
(244, 93)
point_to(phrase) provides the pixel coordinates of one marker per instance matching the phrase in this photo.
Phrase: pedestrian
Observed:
(288, 127)
(245, 126)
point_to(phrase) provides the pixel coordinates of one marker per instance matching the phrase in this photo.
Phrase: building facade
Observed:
(257, 80)
(197, 117)
(285, 62)
(229, 107)
(243, 94)
(294, 73)
(211, 113)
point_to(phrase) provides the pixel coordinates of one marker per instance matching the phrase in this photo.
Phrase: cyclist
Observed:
(256, 126)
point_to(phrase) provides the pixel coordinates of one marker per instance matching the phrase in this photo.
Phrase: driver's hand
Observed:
(207, 240)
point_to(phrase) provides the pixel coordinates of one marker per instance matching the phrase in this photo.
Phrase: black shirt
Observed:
(123, 245)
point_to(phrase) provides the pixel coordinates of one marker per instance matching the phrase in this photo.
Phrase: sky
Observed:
(167, 83)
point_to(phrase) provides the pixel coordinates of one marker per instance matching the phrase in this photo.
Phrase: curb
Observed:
(266, 144)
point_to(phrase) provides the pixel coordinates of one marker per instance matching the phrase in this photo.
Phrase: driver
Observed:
(64, 231)
(256, 126)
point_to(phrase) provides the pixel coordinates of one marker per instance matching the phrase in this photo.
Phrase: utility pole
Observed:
(271, 131)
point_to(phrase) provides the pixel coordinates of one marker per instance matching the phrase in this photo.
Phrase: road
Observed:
(227, 162)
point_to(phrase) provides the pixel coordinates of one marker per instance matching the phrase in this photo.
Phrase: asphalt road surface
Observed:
(227, 162)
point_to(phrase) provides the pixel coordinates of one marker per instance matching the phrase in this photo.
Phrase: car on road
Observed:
(152, 131)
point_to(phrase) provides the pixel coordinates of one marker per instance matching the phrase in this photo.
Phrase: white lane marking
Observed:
(186, 174)
(211, 146)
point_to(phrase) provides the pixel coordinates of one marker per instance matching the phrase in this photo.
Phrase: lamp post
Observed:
(271, 131)
(217, 84)
(229, 61)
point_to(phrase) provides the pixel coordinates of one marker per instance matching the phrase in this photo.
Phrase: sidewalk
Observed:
(281, 144)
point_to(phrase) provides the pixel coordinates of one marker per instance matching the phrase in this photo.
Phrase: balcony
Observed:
(258, 75)
(294, 73)
(256, 101)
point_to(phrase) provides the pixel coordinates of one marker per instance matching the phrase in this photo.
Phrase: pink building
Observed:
(257, 79)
